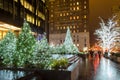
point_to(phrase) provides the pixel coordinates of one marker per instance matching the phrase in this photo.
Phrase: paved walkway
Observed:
(99, 69)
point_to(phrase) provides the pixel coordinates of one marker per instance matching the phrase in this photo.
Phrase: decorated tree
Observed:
(107, 34)
(8, 48)
(25, 46)
(42, 56)
(43, 45)
(68, 43)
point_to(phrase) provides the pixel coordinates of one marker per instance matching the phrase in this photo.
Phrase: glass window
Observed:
(74, 17)
(73, 3)
(16, 0)
(67, 13)
(85, 2)
(70, 8)
(64, 27)
(10, 8)
(74, 27)
(74, 8)
(51, 15)
(6, 5)
(58, 27)
(78, 8)
(77, 17)
(70, 17)
(84, 7)
(77, 3)
(39, 23)
(85, 16)
(64, 14)
(1, 4)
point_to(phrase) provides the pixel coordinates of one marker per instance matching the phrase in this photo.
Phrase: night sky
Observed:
(100, 8)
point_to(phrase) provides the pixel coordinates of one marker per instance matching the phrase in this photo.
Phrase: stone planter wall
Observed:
(71, 73)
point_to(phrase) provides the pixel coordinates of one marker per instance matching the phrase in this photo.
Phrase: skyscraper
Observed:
(69, 13)
(13, 13)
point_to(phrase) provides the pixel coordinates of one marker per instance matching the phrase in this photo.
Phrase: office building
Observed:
(68, 13)
(14, 12)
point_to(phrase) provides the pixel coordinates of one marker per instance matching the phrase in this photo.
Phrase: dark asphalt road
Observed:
(99, 69)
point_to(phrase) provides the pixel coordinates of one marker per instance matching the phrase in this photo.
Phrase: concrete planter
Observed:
(71, 73)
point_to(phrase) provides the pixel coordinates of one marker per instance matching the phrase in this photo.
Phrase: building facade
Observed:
(68, 13)
(81, 39)
(14, 12)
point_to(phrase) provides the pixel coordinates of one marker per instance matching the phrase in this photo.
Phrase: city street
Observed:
(95, 68)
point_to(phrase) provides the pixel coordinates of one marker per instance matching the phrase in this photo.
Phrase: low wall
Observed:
(71, 73)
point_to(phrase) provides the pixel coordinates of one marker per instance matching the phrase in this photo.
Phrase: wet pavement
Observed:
(99, 68)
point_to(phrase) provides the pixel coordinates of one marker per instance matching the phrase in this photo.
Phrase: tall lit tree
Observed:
(8, 48)
(68, 43)
(107, 34)
(25, 46)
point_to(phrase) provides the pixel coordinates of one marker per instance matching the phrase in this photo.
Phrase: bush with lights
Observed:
(25, 46)
(8, 49)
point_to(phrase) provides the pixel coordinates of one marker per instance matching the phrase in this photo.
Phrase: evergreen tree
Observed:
(68, 43)
(42, 57)
(25, 46)
(8, 48)
(43, 45)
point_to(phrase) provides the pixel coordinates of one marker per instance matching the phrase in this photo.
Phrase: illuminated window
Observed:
(77, 3)
(85, 30)
(74, 27)
(64, 14)
(78, 8)
(60, 14)
(67, 13)
(73, 3)
(70, 27)
(85, 16)
(64, 27)
(84, 7)
(77, 17)
(58, 27)
(70, 18)
(84, 2)
(70, 8)
(73, 8)
(77, 44)
(39, 23)
(16, 0)
(74, 17)
(51, 15)
(74, 31)
(63, 0)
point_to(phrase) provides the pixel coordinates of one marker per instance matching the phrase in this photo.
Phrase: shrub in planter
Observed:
(25, 46)
(61, 63)
(8, 49)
